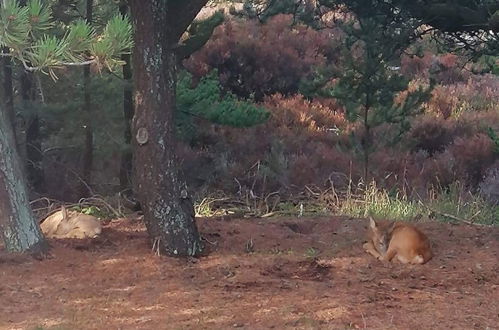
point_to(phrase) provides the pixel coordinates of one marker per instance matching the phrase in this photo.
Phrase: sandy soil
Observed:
(259, 274)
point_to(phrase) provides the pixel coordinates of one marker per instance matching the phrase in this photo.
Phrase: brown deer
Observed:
(398, 240)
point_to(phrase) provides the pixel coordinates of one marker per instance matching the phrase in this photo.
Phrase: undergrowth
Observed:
(453, 204)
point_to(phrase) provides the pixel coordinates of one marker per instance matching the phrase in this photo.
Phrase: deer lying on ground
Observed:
(71, 224)
(401, 241)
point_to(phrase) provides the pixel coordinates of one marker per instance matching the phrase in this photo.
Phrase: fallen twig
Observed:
(451, 216)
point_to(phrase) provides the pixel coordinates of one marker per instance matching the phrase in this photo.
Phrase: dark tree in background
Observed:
(88, 149)
(7, 89)
(126, 155)
(32, 148)
(160, 187)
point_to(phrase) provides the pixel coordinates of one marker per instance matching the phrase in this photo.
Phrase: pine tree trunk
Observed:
(126, 155)
(160, 187)
(366, 139)
(18, 226)
(88, 149)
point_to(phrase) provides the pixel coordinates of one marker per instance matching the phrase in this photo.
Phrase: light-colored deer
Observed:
(71, 224)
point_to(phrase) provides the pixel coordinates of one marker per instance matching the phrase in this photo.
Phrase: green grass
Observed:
(312, 253)
(379, 204)
(454, 204)
(457, 203)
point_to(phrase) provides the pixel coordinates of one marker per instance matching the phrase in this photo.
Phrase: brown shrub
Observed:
(438, 171)
(447, 68)
(262, 59)
(473, 157)
(432, 134)
(478, 93)
(297, 113)
(489, 187)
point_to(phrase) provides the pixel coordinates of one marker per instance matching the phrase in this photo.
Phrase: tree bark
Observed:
(88, 149)
(126, 155)
(161, 189)
(18, 226)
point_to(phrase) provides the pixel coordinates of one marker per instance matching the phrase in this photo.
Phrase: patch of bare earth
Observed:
(259, 274)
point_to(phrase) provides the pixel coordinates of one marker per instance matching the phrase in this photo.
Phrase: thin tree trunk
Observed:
(126, 155)
(8, 91)
(33, 141)
(88, 149)
(18, 226)
(366, 139)
(161, 189)
(33, 144)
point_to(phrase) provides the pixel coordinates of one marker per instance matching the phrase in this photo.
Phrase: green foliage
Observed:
(79, 38)
(451, 205)
(495, 138)
(312, 253)
(315, 84)
(115, 40)
(369, 80)
(372, 201)
(303, 11)
(62, 119)
(14, 25)
(199, 33)
(206, 101)
(455, 203)
(92, 210)
(50, 51)
(24, 30)
(39, 18)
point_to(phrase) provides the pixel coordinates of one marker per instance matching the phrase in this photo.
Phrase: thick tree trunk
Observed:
(18, 226)
(126, 155)
(88, 149)
(161, 189)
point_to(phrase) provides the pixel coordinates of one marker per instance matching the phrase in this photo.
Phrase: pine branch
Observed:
(23, 32)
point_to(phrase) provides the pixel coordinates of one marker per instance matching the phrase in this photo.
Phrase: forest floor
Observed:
(284, 273)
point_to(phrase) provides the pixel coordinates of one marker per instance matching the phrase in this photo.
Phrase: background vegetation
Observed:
(267, 126)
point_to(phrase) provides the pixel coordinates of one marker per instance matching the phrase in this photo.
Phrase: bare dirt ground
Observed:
(259, 274)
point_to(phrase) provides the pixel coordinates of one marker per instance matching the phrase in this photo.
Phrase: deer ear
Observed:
(372, 223)
(64, 213)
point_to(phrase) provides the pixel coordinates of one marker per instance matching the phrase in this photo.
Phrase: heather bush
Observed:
(299, 145)
(255, 59)
(489, 187)
(312, 117)
(473, 156)
(306, 139)
(445, 69)
(467, 160)
(457, 99)
(432, 134)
